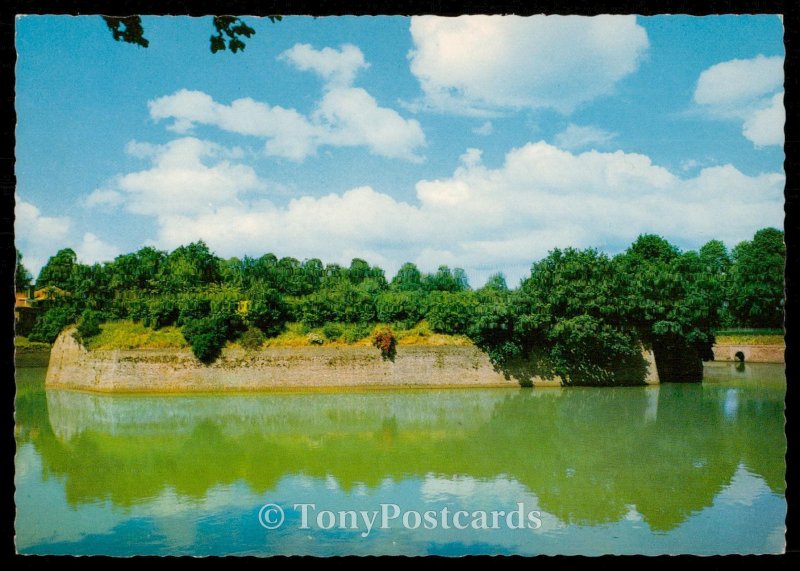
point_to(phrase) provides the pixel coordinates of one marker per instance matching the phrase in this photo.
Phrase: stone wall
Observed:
(752, 353)
(269, 369)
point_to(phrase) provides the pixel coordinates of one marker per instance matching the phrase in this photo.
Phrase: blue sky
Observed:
(479, 142)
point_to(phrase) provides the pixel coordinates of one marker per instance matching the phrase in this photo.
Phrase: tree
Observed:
(57, 272)
(268, 311)
(229, 31)
(451, 313)
(22, 277)
(757, 280)
(495, 283)
(446, 280)
(673, 301)
(187, 268)
(136, 271)
(408, 278)
(716, 262)
(565, 320)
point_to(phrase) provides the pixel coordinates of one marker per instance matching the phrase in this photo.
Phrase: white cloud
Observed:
(480, 64)
(37, 236)
(337, 67)
(749, 91)
(485, 129)
(479, 218)
(345, 116)
(582, 136)
(103, 197)
(739, 80)
(765, 126)
(92, 250)
(180, 181)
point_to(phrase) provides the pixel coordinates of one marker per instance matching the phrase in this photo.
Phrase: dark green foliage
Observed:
(346, 303)
(89, 324)
(445, 280)
(57, 272)
(229, 28)
(268, 311)
(332, 331)
(403, 307)
(192, 306)
(188, 268)
(669, 295)
(451, 313)
(252, 339)
(568, 311)
(161, 312)
(206, 336)
(757, 281)
(356, 332)
(493, 329)
(50, 324)
(578, 315)
(495, 283)
(127, 29)
(408, 278)
(136, 271)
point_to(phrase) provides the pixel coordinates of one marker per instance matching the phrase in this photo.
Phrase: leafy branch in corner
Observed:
(230, 30)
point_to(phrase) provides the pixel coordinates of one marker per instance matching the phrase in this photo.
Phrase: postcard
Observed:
(474, 285)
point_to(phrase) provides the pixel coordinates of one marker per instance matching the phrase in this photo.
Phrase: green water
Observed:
(665, 469)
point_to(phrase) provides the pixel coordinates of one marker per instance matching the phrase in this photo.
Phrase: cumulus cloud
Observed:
(344, 116)
(749, 91)
(582, 136)
(480, 218)
(485, 129)
(765, 126)
(337, 67)
(180, 181)
(103, 197)
(485, 64)
(93, 250)
(38, 236)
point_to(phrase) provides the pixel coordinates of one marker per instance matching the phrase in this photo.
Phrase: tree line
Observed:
(580, 314)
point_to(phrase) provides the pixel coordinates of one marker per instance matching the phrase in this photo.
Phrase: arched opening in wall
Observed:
(739, 356)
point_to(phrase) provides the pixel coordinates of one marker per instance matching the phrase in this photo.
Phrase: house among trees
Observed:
(25, 312)
(29, 305)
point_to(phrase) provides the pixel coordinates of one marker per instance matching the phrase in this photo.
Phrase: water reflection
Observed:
(173, 471)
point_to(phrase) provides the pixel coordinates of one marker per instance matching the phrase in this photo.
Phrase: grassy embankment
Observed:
(750, 337)
(23, 345)
(129, 335)
(30, 353)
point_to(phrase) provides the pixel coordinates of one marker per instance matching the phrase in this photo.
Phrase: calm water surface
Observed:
(663, 469)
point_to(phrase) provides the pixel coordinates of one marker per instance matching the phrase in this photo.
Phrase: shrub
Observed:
(192, 306)
(89, 324)
(252, 339)
(206, 336)
(268, 311)
(332, 331)
(356, 332)
(385, 340)
(404, 308)
(452, 313)
(161, 311)
(137, 309)
(50, 323)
